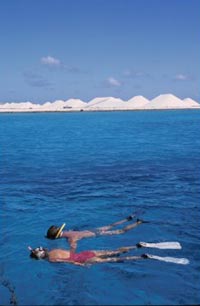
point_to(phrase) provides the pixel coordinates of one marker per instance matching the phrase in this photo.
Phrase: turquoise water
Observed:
(88, 170)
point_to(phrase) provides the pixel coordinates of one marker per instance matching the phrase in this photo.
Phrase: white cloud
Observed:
(50, 61)
(113, 82)
(128, 73)
(181, 77)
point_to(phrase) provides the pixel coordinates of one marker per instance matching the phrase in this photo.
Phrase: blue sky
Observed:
(61, 49)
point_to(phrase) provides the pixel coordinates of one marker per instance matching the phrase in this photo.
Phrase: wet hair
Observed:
(39, 253)
(52, 232)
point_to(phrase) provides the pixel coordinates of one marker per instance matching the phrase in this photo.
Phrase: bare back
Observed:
(58, 255)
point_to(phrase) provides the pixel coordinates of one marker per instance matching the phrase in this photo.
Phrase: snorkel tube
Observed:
(32, 253)
(60, 230)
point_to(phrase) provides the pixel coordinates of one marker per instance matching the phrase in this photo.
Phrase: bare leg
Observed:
(108, 227)
(115, 252)
(120, 231)
(114, 259)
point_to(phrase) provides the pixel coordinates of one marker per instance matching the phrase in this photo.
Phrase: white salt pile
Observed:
(166, 101)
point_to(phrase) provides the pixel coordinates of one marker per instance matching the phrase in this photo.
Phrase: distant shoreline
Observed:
(93, 111)
(102, 104)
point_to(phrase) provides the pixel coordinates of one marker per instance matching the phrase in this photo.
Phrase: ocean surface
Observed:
(89, 170)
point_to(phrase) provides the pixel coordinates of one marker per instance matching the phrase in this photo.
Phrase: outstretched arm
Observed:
(72, 241)
(121, 231)
(64, 234)
(73, 245)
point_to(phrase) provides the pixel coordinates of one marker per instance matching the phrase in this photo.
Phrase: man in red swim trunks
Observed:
(85, 257)
(55, 232)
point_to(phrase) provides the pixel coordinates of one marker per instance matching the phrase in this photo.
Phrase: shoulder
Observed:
(67, 234)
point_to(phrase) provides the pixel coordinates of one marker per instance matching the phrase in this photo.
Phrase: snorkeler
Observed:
(84, 257)
(103, 256)
(55, 232)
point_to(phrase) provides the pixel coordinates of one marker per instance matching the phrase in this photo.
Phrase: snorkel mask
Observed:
(38, 253)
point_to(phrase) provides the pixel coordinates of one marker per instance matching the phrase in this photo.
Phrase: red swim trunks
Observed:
(82, 257)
